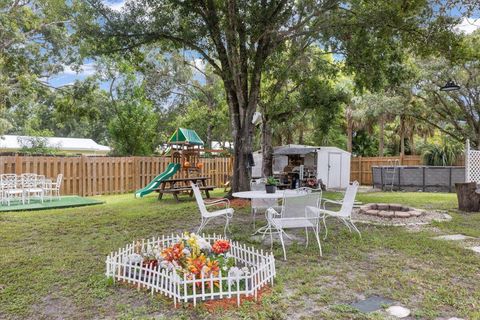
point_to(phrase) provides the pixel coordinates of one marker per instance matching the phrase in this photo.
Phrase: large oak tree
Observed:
(238, 37)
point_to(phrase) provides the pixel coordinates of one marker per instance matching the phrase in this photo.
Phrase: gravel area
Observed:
(426, 218)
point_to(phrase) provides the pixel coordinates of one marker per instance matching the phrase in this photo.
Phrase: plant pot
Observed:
(270, 188)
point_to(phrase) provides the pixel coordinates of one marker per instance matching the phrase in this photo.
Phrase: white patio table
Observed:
(262, 194)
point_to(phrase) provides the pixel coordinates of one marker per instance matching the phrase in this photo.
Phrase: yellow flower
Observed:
(193, 243)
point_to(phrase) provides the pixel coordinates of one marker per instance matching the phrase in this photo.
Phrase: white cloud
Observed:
(86, 70)
(199, 64)
(115, 5)
(468, 25)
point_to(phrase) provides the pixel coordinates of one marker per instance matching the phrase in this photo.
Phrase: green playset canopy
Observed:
(185, 136)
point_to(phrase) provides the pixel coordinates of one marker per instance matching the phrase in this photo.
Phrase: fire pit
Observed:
(384, 210)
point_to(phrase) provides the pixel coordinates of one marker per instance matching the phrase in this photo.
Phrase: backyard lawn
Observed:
(52, 264)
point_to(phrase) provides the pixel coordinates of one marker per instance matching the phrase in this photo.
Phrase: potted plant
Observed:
(271, 185)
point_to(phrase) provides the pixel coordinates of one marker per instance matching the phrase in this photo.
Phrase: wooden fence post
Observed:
(82, 175)
(360, 169)
(136, 174)
(18, 164)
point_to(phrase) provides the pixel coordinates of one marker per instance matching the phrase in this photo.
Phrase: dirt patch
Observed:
(54, 306)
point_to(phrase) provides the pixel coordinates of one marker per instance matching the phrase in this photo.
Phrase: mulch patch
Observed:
(231, 303)
(216, 305)
(235, 203)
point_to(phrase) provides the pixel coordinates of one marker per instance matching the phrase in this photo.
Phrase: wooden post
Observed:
(18, 165)
(360, 169)
(423, 178)
(82, 175)
(136, 174)
(450, 180)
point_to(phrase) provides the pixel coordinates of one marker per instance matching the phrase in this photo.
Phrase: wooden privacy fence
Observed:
(88, 176)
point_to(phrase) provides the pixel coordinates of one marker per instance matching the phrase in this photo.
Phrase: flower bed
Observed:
(190, 267)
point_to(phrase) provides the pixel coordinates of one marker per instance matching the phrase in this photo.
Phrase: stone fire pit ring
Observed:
(385, 210)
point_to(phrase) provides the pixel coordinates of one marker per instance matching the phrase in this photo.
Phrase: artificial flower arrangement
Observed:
(193, 257)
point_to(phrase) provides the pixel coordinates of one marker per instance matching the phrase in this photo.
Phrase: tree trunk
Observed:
(267, 149)
(381, 139)
(209, 136)
(468, 198)
(300, 136)
(241, 170)
(289, 137)
(349, 117)
(402, 136)
(412, 143)
(349, 137)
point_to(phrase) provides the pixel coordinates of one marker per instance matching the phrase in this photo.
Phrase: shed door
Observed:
(334, 170)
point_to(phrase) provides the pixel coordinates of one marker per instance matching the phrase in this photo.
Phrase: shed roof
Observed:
(291, 149)
(300, 149)
(14, 142)
(185, 136)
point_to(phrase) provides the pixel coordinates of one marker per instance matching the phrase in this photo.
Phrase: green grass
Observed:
(52, 264)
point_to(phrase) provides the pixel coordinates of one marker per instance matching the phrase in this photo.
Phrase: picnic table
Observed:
(182, 185)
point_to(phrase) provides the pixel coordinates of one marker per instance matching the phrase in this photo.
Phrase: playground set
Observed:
(184, 147)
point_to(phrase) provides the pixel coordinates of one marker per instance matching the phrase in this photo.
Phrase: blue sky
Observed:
(69, 76)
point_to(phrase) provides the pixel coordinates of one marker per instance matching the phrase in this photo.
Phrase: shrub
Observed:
(444, 154)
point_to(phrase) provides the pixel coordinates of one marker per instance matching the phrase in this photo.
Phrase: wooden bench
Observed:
(176, 191)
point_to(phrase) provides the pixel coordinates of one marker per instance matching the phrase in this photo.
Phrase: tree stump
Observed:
(468, 197)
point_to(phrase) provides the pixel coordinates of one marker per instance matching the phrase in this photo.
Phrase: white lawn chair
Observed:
(296, 214)
(345, 212)
(339, 202)
(227, 212)
(260, 205)
(52, 189)
(9, 188)
(33, 185)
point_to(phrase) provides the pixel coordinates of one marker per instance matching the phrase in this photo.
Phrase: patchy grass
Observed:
(52, 264)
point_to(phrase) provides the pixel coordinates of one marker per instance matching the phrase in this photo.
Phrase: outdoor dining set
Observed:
(28, 186)
(301, 208)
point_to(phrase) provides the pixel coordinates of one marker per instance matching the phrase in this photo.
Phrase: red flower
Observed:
(173, 253)
(221, 246)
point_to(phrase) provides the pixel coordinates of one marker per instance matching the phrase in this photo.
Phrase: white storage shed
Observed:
(332, 164)
(333, 167)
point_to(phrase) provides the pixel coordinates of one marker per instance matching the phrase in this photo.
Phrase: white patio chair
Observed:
(260, 205)
(52, 189)
(339, 202)
(345, 212)
(296, 214)
(33, 185)
(10, 190)
(226, 213)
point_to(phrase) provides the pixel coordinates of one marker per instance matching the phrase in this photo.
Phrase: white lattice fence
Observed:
(261, 268)
(472, 164)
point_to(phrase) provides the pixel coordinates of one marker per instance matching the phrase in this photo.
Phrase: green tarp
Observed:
(185, 136)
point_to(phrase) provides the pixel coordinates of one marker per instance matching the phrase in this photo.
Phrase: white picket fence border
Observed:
(260, 264)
